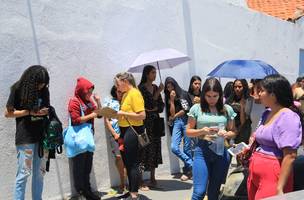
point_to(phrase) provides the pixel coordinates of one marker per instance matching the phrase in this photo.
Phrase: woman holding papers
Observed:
(132, 113)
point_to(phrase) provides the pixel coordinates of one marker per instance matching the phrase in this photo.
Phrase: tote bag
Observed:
(78, 139)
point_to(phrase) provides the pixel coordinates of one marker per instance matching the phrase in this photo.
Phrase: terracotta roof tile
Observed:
(284, 9)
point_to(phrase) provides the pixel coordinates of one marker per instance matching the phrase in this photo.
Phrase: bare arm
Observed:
(192, 132)
(133, 116)
(289, 155)
(88, 117)
(16, 113)
(179, 114)
(230, 133)
(23, 113)
(158, 91)
(110, 128)
(172, 108)
(242, 111)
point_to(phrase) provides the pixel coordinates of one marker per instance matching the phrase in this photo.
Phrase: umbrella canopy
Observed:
(162, 59)
(242, 69)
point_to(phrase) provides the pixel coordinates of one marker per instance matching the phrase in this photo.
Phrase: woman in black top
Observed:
(195, 89)
(178, 103)
(241, 102)
(28, 102)
(151, 155)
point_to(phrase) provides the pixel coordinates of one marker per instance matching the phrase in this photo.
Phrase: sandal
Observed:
(144, 188)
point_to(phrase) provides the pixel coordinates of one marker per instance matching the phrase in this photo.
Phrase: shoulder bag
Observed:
(79, 138)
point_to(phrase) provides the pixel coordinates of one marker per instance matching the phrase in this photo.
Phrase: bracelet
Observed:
(29, 112)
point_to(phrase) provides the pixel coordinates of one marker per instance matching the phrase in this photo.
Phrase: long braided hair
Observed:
(28, 87)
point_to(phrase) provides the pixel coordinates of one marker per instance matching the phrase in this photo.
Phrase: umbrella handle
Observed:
(159, 73)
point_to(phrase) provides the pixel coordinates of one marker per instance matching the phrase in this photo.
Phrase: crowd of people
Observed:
(204, 122)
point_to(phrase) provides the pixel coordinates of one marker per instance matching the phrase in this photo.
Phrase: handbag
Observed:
(143, 138)
(158, 127)
(78, 139)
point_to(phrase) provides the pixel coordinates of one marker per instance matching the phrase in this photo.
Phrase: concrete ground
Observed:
(169, 187)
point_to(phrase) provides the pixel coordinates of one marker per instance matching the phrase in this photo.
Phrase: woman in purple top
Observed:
(278, 136)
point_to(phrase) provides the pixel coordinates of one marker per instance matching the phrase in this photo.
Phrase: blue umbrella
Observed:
(240, 69)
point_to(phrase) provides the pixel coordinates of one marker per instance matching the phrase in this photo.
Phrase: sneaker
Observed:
(89, 195)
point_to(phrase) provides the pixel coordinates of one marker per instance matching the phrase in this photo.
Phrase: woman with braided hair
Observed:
(28, 103)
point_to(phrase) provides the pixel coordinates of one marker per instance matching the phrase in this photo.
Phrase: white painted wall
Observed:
(98, 39)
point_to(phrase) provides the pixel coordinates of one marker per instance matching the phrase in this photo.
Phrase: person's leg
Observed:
(132, 160)
(176, 138)
(187, 148)
(87, 170)
(25, 155)
(78, 165)
(177, 135)
(217, 174)
(121, 171)
(87, 191)
(200, 175)
(153, 181)
(251, 180)
(39, 170)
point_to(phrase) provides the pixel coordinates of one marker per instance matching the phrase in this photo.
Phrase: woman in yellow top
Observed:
(132, 113)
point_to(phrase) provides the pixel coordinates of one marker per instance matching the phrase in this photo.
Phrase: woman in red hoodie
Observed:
(82, 163)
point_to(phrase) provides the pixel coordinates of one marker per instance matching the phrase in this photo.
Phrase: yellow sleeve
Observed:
(138, 103)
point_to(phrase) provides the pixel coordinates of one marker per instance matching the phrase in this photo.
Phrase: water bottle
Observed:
(217, 145)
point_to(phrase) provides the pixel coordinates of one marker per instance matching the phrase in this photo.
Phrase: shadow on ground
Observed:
(171, 185)
(142, 197)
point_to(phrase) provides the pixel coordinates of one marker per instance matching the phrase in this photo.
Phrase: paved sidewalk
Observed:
(168, 188)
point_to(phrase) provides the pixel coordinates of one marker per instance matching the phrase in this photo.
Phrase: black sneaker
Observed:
(89, 195)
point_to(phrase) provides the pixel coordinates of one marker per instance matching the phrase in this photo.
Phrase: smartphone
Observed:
(44, 109)
(238, 148)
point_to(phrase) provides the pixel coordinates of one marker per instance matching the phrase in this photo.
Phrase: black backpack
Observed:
(53, 138)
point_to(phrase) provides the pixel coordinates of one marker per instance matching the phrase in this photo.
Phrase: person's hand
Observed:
(94, 114)
(208, 133)
(171, 118)
(116, 136)
(209, 138)
(196, 100)
(161, 87)
(121, 115)
(172, 95)
(42, 112)
(96, 97)
(226, 134)
(222, 133)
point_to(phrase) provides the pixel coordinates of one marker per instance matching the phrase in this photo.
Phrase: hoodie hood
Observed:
(82, 88)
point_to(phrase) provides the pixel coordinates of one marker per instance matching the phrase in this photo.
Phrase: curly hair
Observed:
(28, 87)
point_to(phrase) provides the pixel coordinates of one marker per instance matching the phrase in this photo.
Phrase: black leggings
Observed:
(82, 166)
(130, 155)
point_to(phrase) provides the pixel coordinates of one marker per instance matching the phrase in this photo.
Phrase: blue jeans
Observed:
(29, 163)
(179, 133)
(208, 166)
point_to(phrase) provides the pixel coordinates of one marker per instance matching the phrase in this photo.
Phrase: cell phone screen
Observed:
(237, 149)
